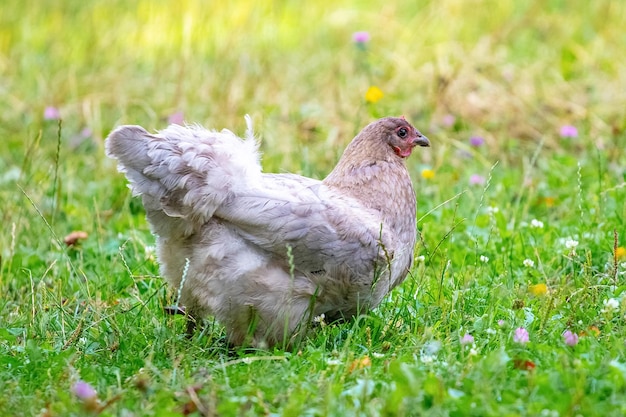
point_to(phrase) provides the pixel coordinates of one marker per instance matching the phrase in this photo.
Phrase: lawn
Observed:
(516, 305)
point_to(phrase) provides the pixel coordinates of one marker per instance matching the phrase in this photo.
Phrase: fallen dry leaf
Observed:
(74, 237)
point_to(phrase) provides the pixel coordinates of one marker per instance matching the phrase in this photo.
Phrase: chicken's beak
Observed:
(421, 140)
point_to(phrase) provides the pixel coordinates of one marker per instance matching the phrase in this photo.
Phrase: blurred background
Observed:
(501, 69)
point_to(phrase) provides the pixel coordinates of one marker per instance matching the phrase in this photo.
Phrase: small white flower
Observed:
(149, 251)
(490, 331)
(420, 258)
(320, 319)
(427, 359)
(473, 351)
(378, 355)
(571, 244)
(484, 259)
(492, 210)
(529, 263)
(610, 306)
(536, 224)
(333, 362)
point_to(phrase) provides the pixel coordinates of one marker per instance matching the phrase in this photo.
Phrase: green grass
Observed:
(511, 72)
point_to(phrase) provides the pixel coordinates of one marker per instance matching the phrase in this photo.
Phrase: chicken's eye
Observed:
(402, 132)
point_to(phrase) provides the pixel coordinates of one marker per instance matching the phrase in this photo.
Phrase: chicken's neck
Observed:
(381, 185)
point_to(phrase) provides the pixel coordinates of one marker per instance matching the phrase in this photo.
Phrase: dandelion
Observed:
(536, 224)
(520, 335)
(476, 141)
(570, 338)
(176, 118)
(528, 263)
(51, 113)
(476, 179)
(428, 174)
(620, 252)
(549, 201)
(467, 339)
(361, 37)
(484, 259)
(374, 94)
(610, 306)
(538, 289)
(568, 131)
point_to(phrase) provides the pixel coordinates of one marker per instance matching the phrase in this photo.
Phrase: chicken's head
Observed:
(401, 136)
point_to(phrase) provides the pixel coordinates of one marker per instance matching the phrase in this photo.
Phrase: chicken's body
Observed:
(268, 252)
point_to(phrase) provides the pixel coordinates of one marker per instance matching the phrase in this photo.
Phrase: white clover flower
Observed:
(536, 224)
(484, 259)
(427, 359)
(610, 306)
(149, 251)
(320, 319)
(529, 263)
(473, 351)
(571, 244)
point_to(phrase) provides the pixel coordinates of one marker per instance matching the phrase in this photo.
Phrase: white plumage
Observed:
(268, 252)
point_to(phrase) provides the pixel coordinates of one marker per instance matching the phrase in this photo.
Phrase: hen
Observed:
(266, 253)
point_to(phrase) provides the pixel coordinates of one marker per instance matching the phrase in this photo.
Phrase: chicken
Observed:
(267, 253)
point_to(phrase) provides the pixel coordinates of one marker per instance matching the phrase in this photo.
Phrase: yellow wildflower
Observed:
(428, 174)
(374, 94)
(364, 362)
(620, 252)
(538, 289)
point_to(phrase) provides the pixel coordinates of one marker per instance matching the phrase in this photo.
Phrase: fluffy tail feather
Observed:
(184, 173)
